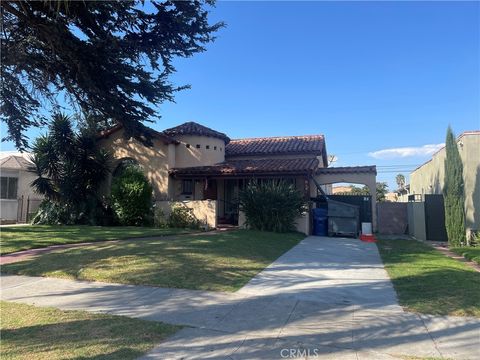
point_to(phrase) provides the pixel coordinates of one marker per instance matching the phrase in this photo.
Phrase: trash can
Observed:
(320, 221)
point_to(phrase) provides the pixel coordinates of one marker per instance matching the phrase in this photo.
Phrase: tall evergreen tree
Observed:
(108, 58)
(453, 192)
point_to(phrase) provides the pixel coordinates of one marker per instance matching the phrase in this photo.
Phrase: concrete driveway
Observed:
(327, 298)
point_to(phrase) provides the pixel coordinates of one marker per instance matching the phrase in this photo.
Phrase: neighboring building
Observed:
(391, 196)
(402, 194)
(193, 163)
(429, 177)
(341, 190)
(17, 196)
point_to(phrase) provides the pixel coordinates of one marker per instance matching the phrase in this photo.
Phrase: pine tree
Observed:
(111, 59)
(453, 193)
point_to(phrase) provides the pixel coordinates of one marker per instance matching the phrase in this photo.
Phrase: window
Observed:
(207, 147)
(198, 146)
(187, 187)
(8, 187)
(214, 148)
(187, 145)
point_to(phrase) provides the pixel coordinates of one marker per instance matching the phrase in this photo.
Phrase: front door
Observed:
(231, 201)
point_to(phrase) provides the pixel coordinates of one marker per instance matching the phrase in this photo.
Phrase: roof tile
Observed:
(307, 144)
(192, 128)
(244, 167)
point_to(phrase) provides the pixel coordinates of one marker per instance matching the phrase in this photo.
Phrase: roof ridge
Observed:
(194, 128)
(280, 137)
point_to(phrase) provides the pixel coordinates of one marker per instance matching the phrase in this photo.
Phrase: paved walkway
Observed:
(326, 298)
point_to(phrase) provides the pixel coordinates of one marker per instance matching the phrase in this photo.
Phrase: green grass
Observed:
(470, 253)
(16, 238)
(429, 282)
(221, 262)
(30, 332)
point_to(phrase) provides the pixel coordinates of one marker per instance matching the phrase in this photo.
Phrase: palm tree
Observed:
(400, 179)
(70, 168)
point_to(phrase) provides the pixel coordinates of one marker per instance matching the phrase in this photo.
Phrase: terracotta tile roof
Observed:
(158, 134)
(252, 167)
(307, 144)
(347, 169)
(15, 162)
(192, 128)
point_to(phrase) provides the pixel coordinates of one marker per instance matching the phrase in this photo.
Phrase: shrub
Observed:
(182, 217)
(159, 219)
(131, 197)
(271, 205)
(89, 212)
(453, 193)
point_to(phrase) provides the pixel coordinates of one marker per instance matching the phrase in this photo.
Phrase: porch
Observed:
(223, 182)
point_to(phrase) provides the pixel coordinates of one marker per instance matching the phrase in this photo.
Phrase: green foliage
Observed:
(271, 205)
(182, 217)
(159, 219)
(453, 193)
(110, 58)
(131, 197)
(400, 180)
(70, 169)
(381, 191)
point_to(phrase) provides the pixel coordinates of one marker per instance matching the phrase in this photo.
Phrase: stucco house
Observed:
(205, 169)
(429, 178)
(17, 196)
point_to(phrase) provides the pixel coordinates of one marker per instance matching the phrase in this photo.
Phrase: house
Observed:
(18, 199)
(429, 178)
(205, 169)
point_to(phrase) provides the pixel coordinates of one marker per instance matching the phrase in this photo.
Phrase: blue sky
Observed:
(369, 76)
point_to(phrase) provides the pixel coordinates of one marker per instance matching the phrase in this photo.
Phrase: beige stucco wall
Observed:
(430, 177)
(191, 156)
(155, 160)
(302, 224)
(203, 210)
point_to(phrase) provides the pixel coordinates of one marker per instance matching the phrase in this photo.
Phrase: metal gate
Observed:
(435, 218)
(364, 203)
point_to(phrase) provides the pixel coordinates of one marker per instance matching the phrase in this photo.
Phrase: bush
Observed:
(271, 205)
(91, 211)
(182, 217)
(159, 219)
(131, 197)
(453, 193)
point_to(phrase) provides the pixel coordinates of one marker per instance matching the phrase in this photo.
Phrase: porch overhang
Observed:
(250, 168)
(348, 170)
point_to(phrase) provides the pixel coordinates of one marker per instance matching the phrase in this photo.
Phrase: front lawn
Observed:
(223, 261)
(30, 332)
(16, 238)
(470, 253)
(429, 282)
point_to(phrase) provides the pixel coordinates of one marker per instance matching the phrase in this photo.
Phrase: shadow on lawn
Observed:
(92, 338)
(206, 262)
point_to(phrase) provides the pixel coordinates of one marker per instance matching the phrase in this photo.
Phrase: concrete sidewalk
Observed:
(327, 298)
